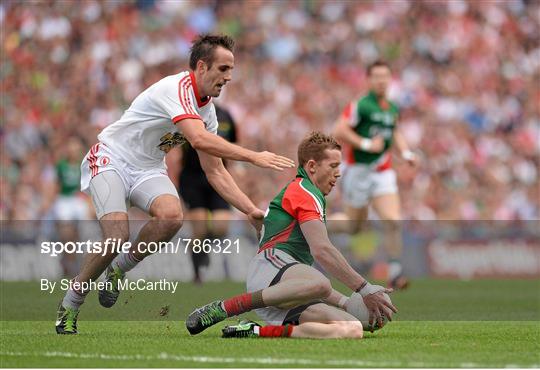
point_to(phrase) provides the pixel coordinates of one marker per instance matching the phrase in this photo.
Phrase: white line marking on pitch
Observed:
(245, 360)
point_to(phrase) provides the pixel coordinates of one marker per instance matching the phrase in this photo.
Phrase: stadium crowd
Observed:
(466, 76)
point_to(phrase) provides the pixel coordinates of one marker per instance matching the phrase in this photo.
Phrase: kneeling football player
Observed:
(290, 295)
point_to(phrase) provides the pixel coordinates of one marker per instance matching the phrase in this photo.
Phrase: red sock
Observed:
(238, 305)
(276, 330)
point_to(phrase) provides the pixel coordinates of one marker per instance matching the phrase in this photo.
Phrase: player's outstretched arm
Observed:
(202, 140)
(328, 256)
(334, 263)
(222, 181)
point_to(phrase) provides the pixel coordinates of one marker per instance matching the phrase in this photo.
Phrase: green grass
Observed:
(441, 323)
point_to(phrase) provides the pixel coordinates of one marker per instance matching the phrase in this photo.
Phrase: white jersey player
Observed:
(135, 146)
(127, 165)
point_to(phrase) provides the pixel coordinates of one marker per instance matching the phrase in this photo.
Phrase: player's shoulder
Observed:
(173, 81)
(363, 102)
(393, 105)
(301, 190)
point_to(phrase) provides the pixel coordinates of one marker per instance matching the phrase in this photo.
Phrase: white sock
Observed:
(74, 299)
(125, 261)
(394, 270)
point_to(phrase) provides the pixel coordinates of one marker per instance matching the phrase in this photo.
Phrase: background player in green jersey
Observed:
(70, 206)
(367, 127)
(291, 296)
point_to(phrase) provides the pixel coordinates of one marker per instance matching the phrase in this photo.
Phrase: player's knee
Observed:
(349, 329)
(170, 217)
(320, 288)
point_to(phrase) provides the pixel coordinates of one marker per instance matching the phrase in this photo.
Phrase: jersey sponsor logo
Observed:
(170, 140)
(385, 132)
(386, 118)
(223, 128)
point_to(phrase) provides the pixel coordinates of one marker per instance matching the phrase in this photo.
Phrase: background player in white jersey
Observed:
(127, 165)
(368, 128)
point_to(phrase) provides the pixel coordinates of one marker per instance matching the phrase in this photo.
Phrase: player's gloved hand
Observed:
(373, 145)
(272, 160)
(256, 218)
(376, 303)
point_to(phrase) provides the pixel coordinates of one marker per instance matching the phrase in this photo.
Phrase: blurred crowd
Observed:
(466, 76)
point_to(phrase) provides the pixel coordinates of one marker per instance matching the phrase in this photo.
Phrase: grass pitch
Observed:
(440, 324)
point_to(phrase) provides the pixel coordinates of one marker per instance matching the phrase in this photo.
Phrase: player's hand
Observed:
(410, 157)
(373, 145)
(271, 160)
(256, 218)
(378, 306)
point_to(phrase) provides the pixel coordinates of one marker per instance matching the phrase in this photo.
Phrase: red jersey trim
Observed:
(185, 86)
(300, 204)
(387, 164)
(183, 96)
(185, 116)
(279, 238)
(349, 154)
(200, 102)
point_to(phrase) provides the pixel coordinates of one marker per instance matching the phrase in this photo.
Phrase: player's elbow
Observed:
(337, 132)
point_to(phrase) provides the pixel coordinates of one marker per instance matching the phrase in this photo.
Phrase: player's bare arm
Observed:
(203, 141)
(222, 181)
(344, 133)
(334, 263)
(403, 149)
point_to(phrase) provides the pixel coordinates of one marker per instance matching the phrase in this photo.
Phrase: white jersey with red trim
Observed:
(147, 131)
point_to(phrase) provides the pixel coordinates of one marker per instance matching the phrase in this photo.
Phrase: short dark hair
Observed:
(314, 145)
(203, 48)
(375, 64)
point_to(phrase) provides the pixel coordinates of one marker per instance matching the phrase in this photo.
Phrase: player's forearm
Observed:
(400, 143)
(334, 263)
(346, 135)
(222, 181)
(219, 147)
(336, 299)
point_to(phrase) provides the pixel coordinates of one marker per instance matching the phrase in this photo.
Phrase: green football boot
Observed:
(204, 317)
(66, 320)
(244, 329)
(109, 295)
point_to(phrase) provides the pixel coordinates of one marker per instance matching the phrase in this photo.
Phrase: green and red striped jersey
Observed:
(298, 202)
(370, 116)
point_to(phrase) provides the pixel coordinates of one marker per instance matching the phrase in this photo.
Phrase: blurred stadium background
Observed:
(466, 76)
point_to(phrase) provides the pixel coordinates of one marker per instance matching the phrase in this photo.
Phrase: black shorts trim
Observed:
(281, 271)
(293, 316)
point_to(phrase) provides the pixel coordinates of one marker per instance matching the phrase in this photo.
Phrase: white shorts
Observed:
(70, 208)
(266, 269)
(100, 159)
(362, 183)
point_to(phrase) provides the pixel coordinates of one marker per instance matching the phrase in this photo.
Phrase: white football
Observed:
(356, 307)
